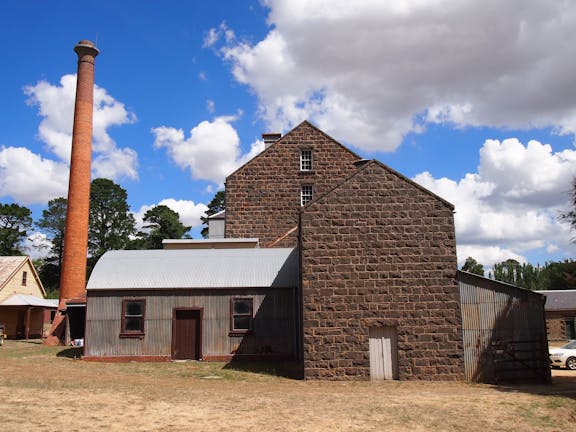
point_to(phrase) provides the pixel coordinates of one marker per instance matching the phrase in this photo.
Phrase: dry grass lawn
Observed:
(41, 391)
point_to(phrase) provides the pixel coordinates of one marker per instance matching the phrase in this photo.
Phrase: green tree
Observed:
(472, 266)
(15, 221)
(559, 275)
(111, 223)
(49, 273)
(570, 215)
(160, 222)
(217, 204)
(53, 221)
(523, 275)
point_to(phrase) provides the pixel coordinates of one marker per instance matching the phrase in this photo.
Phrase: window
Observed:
(305, 194)
(24, 277)
(133, 313)
(306, 160)
(241, 315)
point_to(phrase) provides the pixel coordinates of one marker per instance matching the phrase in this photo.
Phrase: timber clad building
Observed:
(353, 275)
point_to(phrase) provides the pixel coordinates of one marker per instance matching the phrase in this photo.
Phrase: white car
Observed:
(564, 356)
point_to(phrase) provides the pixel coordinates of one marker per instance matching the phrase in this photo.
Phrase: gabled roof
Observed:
(558, 300)
(195, 268)
(28, 300)
(288, 135)
(365, 164)
(10, 265)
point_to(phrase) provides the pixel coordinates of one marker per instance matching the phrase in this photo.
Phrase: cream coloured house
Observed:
(23, 309)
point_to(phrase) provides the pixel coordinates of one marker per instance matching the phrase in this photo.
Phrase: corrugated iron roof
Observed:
(557, 300)
(190, 268)
(28, 300)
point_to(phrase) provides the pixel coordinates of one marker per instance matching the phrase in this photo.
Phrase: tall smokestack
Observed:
(73, 271)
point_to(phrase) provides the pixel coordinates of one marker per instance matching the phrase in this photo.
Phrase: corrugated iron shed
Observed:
(504, 331)
(186, 269)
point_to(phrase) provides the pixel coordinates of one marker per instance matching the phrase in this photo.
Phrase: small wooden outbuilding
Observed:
(210, 304)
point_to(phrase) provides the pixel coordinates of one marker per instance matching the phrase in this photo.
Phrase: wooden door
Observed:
(187, 334)
(383, 353)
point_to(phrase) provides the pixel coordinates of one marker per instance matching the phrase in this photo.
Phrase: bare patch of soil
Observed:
(44, 392)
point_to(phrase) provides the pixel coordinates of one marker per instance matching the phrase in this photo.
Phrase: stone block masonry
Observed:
(263, 196)
(379, 250)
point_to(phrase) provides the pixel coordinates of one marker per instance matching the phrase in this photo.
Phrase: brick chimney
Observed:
(270, 138)
(73, 271)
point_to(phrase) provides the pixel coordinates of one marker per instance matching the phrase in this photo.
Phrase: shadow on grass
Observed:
(73, 353)
(563, 384)
(285, 369)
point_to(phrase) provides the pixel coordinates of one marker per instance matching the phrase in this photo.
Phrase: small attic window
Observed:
(24, 277)
(306, 160)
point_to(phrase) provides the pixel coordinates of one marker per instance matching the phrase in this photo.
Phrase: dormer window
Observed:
(305, 160)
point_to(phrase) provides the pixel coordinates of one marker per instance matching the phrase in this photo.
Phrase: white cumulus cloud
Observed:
(373, 71)
(56, 107)
(211, 152)
(28, 178)
(512, 203)
(189, 211)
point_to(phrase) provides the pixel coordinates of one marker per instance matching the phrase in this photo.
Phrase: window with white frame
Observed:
(306, 194)
(305, 160)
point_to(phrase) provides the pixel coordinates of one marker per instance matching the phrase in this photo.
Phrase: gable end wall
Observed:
(263, 196)
(379, 251)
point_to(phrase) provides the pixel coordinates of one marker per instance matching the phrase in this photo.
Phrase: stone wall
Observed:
(263, 196)
(380, 251)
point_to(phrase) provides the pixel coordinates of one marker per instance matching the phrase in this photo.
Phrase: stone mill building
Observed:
(340, 265)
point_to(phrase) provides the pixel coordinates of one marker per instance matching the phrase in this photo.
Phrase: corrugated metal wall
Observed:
(273, 322)
(504, 332)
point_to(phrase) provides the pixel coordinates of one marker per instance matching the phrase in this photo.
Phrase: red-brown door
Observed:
(187, 334)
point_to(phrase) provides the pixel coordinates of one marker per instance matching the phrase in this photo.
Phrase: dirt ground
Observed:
(43, 389)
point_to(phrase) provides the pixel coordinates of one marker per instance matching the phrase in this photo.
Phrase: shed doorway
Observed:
(383, 343)
(187, 334)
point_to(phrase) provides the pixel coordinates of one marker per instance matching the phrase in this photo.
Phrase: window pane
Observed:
(242, 322)
(306, 160)
(134, 324)
(242, 307)
(306, 194)
(134, 308)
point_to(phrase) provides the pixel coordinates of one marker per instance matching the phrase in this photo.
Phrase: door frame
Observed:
(199, 330)
(386, 356)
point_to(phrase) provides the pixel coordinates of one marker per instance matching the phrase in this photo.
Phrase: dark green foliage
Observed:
(570, 216)
(49, 273)
(472, 266)
(53, 221)
(560, 275)
(217, 204)
(160, 222)
(552, 276)
(111, 223)
(15, 221)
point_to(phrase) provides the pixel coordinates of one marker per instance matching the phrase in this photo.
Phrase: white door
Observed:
(383, 353)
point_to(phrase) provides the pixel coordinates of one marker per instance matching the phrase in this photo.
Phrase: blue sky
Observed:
(473, 100)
